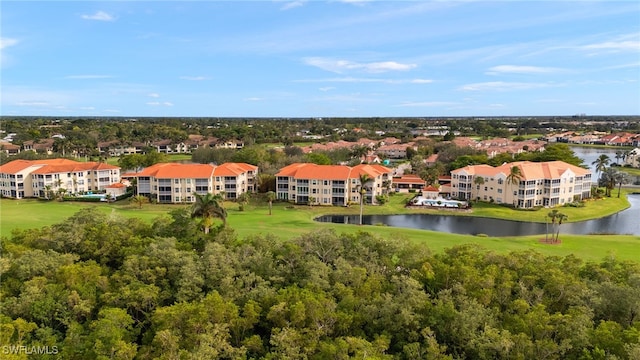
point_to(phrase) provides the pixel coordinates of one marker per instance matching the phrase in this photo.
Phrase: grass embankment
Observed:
(289, 221)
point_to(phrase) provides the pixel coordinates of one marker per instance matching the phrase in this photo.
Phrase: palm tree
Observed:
(608, 180)
(139, 200)
(514, 177)
(208, 207)
(621, 178)
(553, 215)
(47, 192)
(619, 155)
(364, 178)
(561, 218)
(134, 184)
(75, 184)
(243, 200)
(601, 163)
(479, 181)
(271, 196)
(359, 152)
(61, 193)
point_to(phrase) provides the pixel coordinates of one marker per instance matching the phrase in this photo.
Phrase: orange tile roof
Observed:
(233, 169)
(74, 166)
(431, 189)
(372, 170)
(408, 179)
(116, 186)
(178, 171)
(530, 170)
(314, 171)
(331, 172)
(50, 166)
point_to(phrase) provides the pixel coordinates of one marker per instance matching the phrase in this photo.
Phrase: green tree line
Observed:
(106, 287)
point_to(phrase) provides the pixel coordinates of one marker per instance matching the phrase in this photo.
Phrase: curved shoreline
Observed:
(371, 210)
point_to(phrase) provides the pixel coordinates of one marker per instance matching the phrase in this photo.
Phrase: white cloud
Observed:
(629, 45)
(421, 81)
(154, 95)
(87, 108)
(355, 2)
(339, 66)
(194, 78)
(519, 69)
(157, 103)
(365, 80)
(82, 77)
(99, 16)
(502, 86)
(326, 88)
(292, 5)
(428, 104)
(6, 42)
(253, 99)
(33, 103)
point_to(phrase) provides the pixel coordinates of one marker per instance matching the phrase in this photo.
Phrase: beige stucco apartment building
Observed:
(32, 178)
(305, 183)
(542, 184)
(176, 183)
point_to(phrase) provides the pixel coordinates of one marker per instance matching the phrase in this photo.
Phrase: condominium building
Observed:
(176, 183)
(541, 183)
(304, 183)
(235, 179)
(34, 178)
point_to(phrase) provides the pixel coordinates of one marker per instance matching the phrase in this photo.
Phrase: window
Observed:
(500, 181)
(176, 181)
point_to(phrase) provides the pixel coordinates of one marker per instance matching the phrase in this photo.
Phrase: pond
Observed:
(624, 222)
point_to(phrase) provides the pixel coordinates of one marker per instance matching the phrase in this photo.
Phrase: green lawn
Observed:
(113, 160)
(631, 171)
(289, 221)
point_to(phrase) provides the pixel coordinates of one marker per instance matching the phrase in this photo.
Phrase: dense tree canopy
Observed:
(103, 287)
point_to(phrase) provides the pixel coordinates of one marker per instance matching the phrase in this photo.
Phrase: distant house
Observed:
(431, 160)
(430, 192)
(116, 189)
(407, 182)
(9, 148)
(395, 151)
(633, 158)
(44, 146)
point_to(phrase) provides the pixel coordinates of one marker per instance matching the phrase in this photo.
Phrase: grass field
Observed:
(289, 221)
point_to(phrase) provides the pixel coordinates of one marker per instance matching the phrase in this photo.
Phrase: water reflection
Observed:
(624, 222)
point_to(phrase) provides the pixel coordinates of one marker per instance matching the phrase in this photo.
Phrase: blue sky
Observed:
(319, 59)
